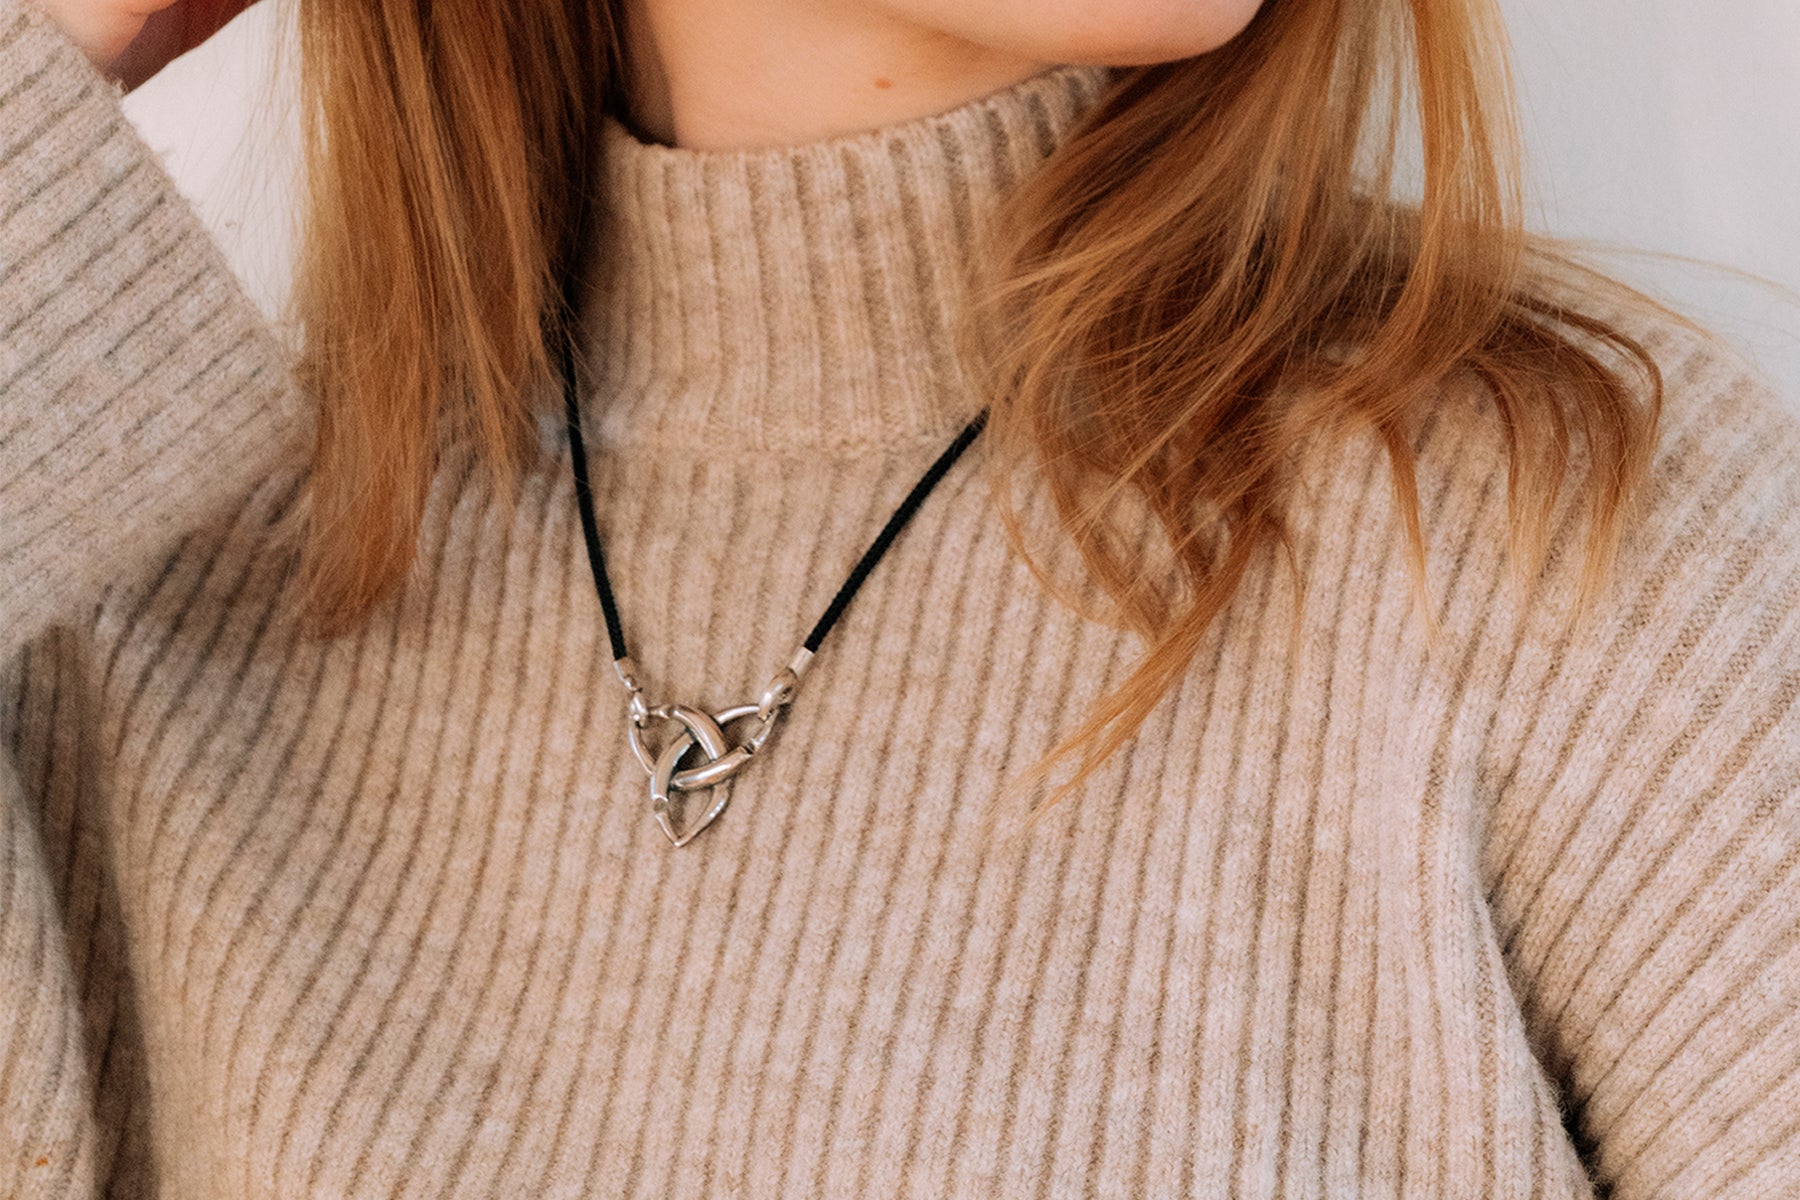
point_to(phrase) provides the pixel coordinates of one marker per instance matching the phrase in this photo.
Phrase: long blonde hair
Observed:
(1212, 236)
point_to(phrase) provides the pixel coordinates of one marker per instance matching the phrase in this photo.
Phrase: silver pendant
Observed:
(723, 760)
(705, 732)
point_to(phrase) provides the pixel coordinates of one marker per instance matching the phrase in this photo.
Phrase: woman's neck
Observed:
(732, 74)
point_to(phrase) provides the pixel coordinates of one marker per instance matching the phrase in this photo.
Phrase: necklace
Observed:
(699, 729)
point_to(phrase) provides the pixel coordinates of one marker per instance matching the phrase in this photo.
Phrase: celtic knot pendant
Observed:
(704, 732)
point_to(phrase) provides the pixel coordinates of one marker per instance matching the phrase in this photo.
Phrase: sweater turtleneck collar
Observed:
(803, 298)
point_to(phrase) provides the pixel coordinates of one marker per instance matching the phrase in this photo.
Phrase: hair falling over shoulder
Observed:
(1164, 322)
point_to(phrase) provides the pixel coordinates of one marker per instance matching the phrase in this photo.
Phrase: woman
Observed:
(1414, 614)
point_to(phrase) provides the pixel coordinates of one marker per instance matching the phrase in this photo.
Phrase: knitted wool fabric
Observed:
(387, 916)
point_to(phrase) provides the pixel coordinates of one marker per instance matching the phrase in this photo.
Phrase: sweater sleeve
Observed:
(1644, 853)
(141, 393)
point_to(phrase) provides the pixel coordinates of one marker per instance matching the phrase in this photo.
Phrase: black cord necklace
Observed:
(699, 728)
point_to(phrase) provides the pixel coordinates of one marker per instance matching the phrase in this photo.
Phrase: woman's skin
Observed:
(725, 74)
(721, 74)
(132, 40)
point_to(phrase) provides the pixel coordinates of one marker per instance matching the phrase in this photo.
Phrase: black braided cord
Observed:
(584, 500)
(892, 529)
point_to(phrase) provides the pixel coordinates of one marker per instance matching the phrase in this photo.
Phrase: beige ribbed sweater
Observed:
(389, 916)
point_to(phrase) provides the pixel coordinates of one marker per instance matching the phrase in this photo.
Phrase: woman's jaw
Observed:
(733, 74)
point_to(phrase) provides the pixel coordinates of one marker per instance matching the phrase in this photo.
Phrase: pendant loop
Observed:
(695, 725)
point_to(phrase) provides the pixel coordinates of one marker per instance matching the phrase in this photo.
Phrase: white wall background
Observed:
(1666, 126)
(223, 119)
(1674, 126)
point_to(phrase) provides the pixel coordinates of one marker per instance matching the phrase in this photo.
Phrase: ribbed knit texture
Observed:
(388, 916)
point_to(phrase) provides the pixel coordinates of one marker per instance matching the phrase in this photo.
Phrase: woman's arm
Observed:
(1643, 859)
(140, 390)
(140, 394)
